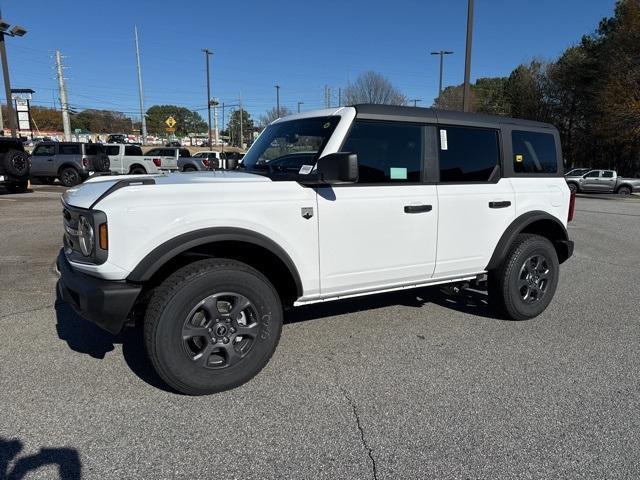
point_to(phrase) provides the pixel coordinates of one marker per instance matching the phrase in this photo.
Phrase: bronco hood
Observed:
(90, 192)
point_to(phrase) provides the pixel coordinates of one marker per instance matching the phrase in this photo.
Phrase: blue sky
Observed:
(301, 45)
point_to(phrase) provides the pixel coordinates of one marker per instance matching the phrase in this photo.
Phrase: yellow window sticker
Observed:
(519, 158)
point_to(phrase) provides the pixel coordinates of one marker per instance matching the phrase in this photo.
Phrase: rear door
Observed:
(169, 159)
(608, 181)
(476, 205)
(380, 232)
(115, 157)
(69, 154)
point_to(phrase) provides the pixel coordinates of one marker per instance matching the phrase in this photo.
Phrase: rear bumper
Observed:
(106, 303)
(566, 246)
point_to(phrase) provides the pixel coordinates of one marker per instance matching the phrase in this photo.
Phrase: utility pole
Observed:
(208, 53)
(441, 53)
(300, 103)
(278, 100)
(64, 105)
(326, 96)
(339, 97)
(415, 101)
(329, 97)
(223, 124)
(466, 96)
(140, 91)
(16, 31)
(241, 134)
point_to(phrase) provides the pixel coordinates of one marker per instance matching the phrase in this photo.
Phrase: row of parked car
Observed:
(588, 180)
(73, 162)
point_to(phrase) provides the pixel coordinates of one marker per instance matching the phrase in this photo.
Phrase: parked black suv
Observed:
(14, 165)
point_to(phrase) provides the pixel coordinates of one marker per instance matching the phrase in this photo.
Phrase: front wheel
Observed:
(212, 326)
(69, 177)
(524, 284)
(573, 188)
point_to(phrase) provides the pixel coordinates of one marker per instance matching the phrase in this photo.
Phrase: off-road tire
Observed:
(189, 169)
(573, 188)
(137, 171)
(69, 177)
(18, 187)
(16, 164)
(505, 293)
(101, 163)
(172, 305)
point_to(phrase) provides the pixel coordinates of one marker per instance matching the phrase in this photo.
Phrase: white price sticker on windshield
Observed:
(443, 140)
(305, 169)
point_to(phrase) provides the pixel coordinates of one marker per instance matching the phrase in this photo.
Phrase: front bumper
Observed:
(106, 303)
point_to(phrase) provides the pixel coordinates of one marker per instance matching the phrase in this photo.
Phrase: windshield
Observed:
(285, 147)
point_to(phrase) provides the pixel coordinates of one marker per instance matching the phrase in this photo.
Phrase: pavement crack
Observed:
(29, 310)
(363, 440)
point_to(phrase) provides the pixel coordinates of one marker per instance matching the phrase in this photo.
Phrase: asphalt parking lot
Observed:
(406, 385)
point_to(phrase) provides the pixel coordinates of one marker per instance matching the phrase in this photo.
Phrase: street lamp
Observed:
(277, 100)
(16, 31)
(300, 103)
(442, 53)
(207, 54)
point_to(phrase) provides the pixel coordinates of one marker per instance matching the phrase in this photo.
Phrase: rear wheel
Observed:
(624, 191)
(573, 188)
(137, 171)
(189, 169)
(524, 284)
(69, 177)
(212, 326)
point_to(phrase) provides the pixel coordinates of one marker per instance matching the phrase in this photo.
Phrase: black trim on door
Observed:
(504, 204)
(417, 208)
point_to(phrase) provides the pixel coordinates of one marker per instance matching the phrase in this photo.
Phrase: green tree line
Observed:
(591, 93)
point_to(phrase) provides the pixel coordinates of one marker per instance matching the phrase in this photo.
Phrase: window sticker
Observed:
(443, 140)
(397, 173)
(305, 169)
(519, 158)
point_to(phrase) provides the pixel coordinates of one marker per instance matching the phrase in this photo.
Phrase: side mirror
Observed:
(339, 167)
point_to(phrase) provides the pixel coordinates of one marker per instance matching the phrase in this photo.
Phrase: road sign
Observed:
(171, 122)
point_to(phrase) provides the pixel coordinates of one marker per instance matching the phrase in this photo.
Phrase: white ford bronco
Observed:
(326, 205)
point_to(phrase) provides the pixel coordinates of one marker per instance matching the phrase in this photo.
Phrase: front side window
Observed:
(69, 149)
(534, 152)
(44, 150)
(593, 174)
(388, 152)
(295, 141)
(467, 154)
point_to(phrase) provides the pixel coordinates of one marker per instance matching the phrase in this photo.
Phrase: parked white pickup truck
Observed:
(166, 158)
(128, 159)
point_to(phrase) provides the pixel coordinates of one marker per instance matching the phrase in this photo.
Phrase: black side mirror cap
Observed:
(339, 167)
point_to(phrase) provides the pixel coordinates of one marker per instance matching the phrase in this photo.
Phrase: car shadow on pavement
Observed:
(13, 467)
(467, 301)
(85, 337)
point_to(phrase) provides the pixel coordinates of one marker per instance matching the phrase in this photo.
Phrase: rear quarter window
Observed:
(133, 150)
(534, 152)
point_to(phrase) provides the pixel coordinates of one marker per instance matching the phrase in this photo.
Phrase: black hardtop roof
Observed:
(421, 114)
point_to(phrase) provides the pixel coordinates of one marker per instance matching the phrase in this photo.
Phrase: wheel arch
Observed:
(536, 222)
(240, 244)
(137, 165)
(628, 185)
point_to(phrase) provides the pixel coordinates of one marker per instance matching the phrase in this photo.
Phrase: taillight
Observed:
(85, 162)
(205, 162)
(572, 206)
(157, 162)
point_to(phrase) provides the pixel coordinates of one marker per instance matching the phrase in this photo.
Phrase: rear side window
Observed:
(133, 150)
(154, 151)
(44, 150)
(467, 154)
(92, 149)
(168, 152)
(534, 152)
(112, 150)
(607, 174)
(69, 149)
(388, 152)
(184, 152)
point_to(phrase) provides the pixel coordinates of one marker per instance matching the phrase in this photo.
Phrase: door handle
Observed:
(49, 159)
(417, 208)
(504, 204)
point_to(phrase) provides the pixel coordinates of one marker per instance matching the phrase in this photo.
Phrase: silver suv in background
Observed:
(70, 162)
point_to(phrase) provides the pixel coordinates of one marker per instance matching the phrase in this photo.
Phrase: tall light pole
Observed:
(466, 94)
(207, 54)
(143, 119)
(442, 53)
(278, 100)
(415, 101)
(16, 31)
(300, 103)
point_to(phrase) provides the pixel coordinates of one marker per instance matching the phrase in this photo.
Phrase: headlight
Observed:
(85, 236)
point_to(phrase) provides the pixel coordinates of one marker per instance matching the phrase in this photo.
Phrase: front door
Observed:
(42, 162)
(591, 182)
(380, 232)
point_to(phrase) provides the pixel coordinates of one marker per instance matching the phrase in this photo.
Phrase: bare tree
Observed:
(371, 87)
(272, 114)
